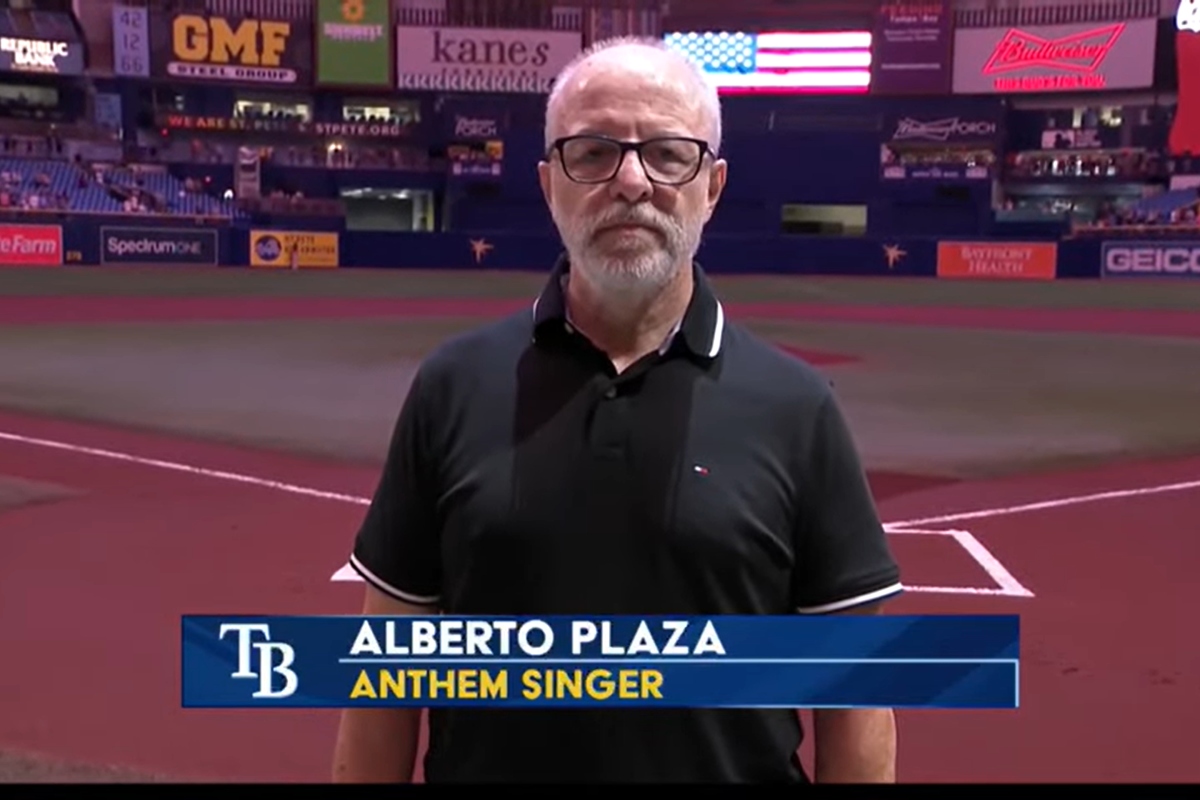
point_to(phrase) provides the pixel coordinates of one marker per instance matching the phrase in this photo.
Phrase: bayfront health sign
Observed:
(482, 60)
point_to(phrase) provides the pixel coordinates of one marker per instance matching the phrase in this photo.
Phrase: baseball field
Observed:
(181, 441)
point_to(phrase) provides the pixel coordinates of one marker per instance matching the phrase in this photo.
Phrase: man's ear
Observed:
(544, 175)
(716, 186)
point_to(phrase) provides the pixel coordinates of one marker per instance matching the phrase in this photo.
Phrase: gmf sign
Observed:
(213, 48)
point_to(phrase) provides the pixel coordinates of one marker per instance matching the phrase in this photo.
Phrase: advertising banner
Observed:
(1153, 259)
(31, 246)
(910, 51)
(354, 43)
(1036, 261)
(158, 246)
(952, 130)
(48, 56)
(936, 172)
(470, 120)
(299, 249)
(232, 50)
(1055, 58)
(1185, 130)
(349, 130)
(482, 60)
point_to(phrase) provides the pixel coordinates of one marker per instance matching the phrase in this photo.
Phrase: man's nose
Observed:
(631, 182)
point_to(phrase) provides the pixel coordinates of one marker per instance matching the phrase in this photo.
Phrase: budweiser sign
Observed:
(1056, 58)
(1078, 57)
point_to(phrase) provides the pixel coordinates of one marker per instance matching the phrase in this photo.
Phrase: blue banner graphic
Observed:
(1133, 259)
(158, 246)
(729, 662)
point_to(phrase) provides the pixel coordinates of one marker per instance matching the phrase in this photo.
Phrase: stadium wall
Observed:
(125, 241)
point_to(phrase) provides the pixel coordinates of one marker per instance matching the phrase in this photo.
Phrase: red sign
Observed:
(1079, 56)
(31, 246)
(1185, 131)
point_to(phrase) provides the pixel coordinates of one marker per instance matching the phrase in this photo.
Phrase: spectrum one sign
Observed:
(1055, 58)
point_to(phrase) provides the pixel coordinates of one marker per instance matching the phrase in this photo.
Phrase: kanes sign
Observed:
(1055, 58)
(478, 60)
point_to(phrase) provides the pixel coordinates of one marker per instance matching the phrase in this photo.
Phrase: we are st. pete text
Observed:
(497, 639)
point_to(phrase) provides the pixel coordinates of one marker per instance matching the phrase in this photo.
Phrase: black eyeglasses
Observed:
(666, 160)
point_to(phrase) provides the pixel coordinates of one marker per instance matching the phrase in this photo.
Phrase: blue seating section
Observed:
(1167, 203)
(94, 198)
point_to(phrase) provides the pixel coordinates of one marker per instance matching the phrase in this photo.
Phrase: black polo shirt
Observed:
(525, 476)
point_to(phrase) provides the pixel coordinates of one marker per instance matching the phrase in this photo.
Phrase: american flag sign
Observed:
(781, 63)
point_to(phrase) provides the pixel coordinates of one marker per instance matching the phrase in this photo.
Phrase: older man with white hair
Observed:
(622, 449)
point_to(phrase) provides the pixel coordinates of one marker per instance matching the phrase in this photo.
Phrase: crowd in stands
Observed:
(1130, 165)
(1173, 209)
(352, 156)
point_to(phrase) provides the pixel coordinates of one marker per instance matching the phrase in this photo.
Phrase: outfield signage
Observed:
(158, 246)
(354, 43)
(293, 249)
(998, 260)
(216, 48)
(482, 60)
(48, 56)
(31, 245)
(1155, 259)
(1055, 58)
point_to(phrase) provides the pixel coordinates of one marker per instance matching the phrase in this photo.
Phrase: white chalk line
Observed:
(189, 469)
(1007, 583)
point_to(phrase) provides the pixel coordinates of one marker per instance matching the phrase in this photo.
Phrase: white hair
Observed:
(704, 87)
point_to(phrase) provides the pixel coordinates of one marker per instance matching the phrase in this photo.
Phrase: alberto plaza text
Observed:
(530, 640)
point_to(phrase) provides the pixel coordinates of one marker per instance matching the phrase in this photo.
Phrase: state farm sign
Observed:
(481, 60)
(31, 245)
(1055, 58)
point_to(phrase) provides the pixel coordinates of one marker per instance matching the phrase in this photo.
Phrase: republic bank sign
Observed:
(477, 60)
(48, 56)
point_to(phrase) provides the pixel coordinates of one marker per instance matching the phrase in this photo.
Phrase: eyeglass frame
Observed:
(626, 146)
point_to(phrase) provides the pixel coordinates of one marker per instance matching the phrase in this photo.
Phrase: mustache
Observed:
(632, 216)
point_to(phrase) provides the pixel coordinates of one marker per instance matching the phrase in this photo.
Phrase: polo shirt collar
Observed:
(702, 328)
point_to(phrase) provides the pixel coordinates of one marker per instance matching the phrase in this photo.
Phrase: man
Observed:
(621, 448)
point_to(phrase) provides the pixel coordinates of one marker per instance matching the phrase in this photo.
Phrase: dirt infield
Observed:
(144, 526)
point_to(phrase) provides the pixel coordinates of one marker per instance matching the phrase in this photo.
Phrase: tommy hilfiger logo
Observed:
(699, 470)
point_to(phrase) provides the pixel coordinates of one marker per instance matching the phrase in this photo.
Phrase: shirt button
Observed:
(610, 392)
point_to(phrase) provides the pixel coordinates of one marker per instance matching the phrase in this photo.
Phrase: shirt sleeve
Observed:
(842, 555)
(397, 549)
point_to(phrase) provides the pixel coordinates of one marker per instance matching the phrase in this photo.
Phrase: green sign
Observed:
(354, 43)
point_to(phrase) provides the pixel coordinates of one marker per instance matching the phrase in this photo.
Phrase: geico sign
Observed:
(211, 48)
(1152, 260)
(35, 54)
